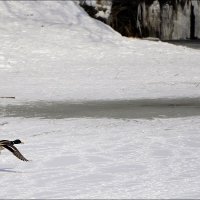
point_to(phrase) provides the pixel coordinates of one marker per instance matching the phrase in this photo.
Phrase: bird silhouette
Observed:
(9, 145)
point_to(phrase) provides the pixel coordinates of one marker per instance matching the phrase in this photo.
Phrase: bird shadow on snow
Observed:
(9, 170)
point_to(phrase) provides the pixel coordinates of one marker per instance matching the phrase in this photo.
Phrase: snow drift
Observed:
(55, 51)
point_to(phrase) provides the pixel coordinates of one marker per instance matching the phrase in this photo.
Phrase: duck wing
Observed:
(4, 142)
(15, 151)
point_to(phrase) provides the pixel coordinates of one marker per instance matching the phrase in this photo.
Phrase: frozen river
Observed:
(130, 109)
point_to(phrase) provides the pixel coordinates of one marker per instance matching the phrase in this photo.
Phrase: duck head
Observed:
(17, 141)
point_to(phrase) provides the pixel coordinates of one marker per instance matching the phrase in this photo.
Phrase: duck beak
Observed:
(22, 142)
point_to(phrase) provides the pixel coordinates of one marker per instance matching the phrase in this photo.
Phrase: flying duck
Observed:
(10, 146)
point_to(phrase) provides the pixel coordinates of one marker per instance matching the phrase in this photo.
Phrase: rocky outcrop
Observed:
(98, 9)
(164, 19)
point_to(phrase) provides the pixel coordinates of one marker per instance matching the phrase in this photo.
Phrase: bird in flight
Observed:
(9, 145)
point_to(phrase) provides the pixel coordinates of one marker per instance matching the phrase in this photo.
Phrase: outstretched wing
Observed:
(16, 152)
(4, 142)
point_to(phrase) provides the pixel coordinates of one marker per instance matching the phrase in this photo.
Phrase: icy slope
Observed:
(52, 50)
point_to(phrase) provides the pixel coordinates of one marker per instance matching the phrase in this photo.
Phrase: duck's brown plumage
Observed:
(10, 146)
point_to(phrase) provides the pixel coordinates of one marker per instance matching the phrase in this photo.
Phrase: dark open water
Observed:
(130, 109)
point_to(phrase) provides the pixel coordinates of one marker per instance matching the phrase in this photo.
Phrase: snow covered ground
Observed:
(102, 158)
(52, 51)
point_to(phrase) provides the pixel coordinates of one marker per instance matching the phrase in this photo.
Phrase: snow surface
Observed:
(53, 51)
(102, 158)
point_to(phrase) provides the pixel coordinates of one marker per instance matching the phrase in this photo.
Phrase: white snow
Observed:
(102, 158)
(53, 51)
